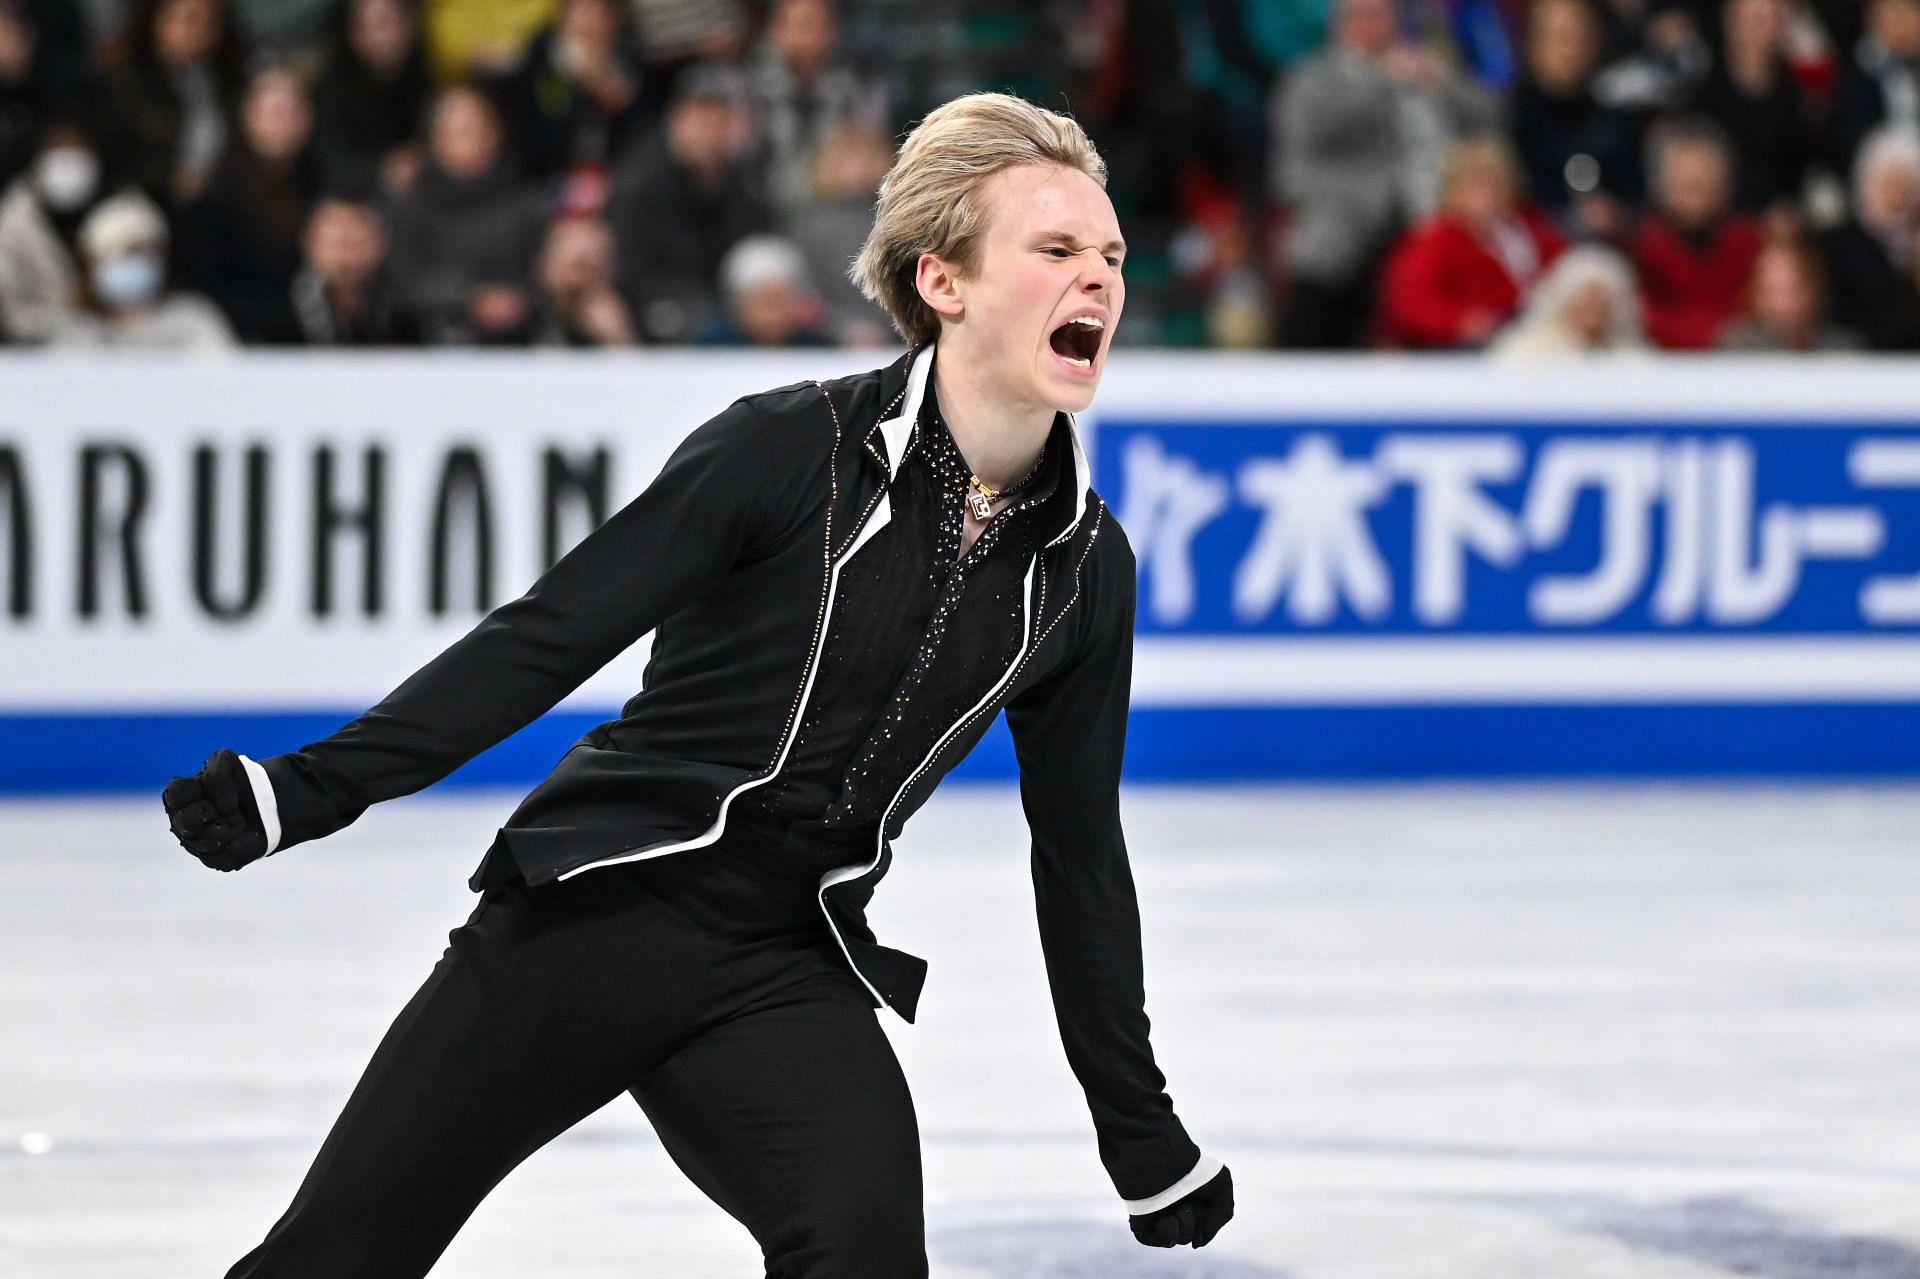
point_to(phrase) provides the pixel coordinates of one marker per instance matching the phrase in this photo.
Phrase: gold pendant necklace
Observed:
(980, 498)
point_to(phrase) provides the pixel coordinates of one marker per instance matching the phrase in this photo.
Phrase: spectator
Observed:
(1787, 305)
(801, 94)
(769, 299)
(342, 294)
(173, 95)
(1455, 279)
(239, 242)
(43, 69)
(1360, 130)
(1883, 84)
(1693, 254)
(578, 304)
(464, 235)
(832, 225)
(124, 245)
(371, 98)
(576, 95)
(40, 217)
(679, 202)
(1581, 158)
(1584, 305)
(1872, 253)
(1752, 94)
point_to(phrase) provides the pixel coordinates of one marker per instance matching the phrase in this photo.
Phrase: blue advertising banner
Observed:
(1462, 528)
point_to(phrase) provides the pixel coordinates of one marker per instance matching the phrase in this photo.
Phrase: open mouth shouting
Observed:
(1076, 344)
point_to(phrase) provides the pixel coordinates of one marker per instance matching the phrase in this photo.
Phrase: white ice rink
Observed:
(1488, 1034)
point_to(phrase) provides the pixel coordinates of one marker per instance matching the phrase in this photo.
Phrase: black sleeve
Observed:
(707, 509)
(1069, 733)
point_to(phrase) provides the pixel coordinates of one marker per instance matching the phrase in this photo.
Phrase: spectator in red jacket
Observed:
(1693, 255)
(1455, 279)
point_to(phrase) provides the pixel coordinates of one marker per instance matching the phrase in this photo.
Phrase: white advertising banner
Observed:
(304, 532)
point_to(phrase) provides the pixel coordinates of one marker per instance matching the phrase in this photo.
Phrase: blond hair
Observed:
(930, 199)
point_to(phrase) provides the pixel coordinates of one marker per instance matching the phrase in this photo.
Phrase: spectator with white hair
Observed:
(769, 300)
(1585, 304)
(1872, 255)
(124, 244)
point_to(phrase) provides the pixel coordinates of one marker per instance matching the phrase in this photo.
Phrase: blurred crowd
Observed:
(1532, 177)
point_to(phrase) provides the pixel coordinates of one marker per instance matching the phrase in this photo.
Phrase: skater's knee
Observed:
(875, 1240)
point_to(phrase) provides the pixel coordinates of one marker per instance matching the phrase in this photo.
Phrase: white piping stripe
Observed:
(266, 801)
(882, 513)
(1204, 1171)
(844, 873)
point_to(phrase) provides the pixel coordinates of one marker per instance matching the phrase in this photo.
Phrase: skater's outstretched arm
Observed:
(717, 499)
(1069, 734)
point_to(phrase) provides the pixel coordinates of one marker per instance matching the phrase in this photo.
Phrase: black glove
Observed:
(213, 815)
(1194, 1218)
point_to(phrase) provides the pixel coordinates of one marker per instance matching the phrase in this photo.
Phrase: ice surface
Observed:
(1506, 1033)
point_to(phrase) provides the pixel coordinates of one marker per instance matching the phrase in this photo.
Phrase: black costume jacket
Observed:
(733, 557)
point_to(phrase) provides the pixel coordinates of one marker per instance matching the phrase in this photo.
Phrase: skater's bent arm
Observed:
(709, 507)
(1069, 734)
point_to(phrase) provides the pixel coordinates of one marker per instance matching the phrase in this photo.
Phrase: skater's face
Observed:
(1036, 313)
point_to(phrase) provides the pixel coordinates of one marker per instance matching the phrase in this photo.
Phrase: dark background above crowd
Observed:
(1534, 177)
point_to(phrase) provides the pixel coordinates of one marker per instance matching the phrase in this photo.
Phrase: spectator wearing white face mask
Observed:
(40, 215)
(123, 243)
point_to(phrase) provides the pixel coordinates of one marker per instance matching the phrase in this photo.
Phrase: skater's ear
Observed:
(938, 282)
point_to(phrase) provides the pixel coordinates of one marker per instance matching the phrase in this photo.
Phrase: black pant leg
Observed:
(527, 1024)
(793, 1115)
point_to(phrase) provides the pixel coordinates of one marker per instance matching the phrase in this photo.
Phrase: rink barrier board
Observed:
(1349, 569)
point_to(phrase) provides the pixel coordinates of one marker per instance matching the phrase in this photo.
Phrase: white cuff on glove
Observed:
(1204, 1171)
(263, 799)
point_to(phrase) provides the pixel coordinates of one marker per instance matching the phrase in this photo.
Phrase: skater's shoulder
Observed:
(845, 400)
(1106, 542)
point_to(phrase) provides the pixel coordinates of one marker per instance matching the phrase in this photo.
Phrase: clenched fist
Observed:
(1194, 1218)
(214, 816)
